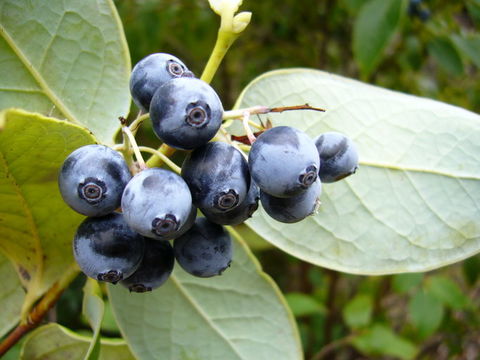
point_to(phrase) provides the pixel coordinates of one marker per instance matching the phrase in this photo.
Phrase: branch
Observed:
(40, 310)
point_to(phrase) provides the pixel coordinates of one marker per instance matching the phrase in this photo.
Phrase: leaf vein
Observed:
(419, 170)
(202, 314)
(38, 78)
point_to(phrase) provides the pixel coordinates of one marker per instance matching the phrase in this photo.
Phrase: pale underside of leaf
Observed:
(413, 204)
(67, 59)
(36, 226)
(55, 342)
(239, 315)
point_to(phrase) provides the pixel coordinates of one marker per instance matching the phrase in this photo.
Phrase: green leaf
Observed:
(413, 204)
(426, 313)
(373, 29)
(303, 304)
(446, 291)
(11, 296)
(471, 269)
(381, 340)
(474, 10)
(68, 58)
(353, 6)
(55, 342)
(469, 46)
(357, 312)
(446, 55)
(403, 283)
(239, 315)
(93, 309)
(109, 324)
(254, 241)
(36, 226)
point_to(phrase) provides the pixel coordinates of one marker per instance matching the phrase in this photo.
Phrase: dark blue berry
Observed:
(413, 6)
(106, 249)
(424, 15)
(240, 213)
(293, 209)
(338, 156)
(415, 9)
(155, 268)
(217, 175)
(152, 72)
(186, 113)
(284, 161)
(92, 180)
(205, 250)
(187, 224)
(157, 203)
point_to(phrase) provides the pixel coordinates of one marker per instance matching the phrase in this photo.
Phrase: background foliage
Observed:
(425, 316)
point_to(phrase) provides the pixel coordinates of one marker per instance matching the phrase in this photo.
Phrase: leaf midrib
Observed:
(37, 76)
(419, 170)
(195, 305)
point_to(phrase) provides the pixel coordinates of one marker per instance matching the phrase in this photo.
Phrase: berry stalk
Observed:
(246, 121)
(135, 125)
(162, 157)
(157, 160)
(231, 26)
(131, 138)
(223, 43)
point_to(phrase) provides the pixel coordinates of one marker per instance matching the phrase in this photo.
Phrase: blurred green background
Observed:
(437, 57)
(427, 48)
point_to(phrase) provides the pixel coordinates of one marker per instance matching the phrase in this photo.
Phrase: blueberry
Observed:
(338, 156)
(187, 224)
(293, 209)
(217, 175)
(186, 113)
(239, 214)
(92, 180)
(106, 249)
(152, 72)
(157, 203)
(205, 250)
(284, 161)
(155, 268)
(415, 9)
(424, 15)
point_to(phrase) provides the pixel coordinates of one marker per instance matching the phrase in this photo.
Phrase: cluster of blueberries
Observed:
(285, 169)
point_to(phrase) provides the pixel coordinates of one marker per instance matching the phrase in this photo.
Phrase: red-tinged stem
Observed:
(244, 139)
(295, 107)
(238, 114)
